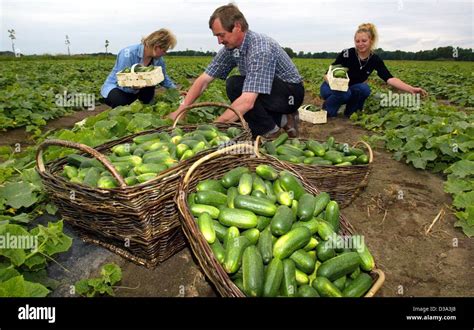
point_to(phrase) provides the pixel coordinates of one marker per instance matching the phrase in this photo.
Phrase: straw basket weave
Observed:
(342, 183)
(140, 222)
(140, 79)
(214, 166)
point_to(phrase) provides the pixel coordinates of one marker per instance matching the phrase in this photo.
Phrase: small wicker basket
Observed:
(313, 117)
(337, 84)
(140, 79)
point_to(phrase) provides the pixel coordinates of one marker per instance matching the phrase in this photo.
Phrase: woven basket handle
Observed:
(241, 148)
(132, 69)
(209, 104)
(371, 154)
(258, 139)
(378, 284)
(73, 145)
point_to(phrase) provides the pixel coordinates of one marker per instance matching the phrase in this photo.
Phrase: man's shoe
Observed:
(292, 123)
(273, 134)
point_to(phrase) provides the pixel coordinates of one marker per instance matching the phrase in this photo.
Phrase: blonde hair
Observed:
(371, 31)
(163, 38)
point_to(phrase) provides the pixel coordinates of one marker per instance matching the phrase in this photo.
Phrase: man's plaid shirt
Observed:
(259, 59)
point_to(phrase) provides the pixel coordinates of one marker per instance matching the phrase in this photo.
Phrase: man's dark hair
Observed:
(229, 15)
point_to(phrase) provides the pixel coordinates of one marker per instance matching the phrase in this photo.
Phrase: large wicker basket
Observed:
(213, 166)
(342, 183)
(140, 222)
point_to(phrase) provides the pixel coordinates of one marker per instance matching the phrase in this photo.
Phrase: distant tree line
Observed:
(189, 52)
(440, 53)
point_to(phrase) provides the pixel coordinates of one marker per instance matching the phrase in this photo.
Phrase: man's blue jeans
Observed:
(354, 98)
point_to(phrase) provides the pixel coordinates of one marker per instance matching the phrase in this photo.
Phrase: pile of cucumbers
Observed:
(275, 239)
(312, 152)
(146, 157)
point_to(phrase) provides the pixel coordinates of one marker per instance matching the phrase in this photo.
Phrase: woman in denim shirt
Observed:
(149, 52)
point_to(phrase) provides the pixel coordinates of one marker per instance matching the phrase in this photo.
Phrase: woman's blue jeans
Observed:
(354, 98)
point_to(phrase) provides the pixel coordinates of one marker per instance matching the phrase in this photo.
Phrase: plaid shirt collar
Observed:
(242, 50)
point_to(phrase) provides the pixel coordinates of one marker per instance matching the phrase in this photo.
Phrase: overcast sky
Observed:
(411, 25)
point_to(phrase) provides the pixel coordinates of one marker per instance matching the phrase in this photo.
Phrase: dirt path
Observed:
(20, 135)
(398, 205)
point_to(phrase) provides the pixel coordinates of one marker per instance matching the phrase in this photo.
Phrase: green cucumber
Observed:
(270, 193)
(282, 220)
(145, 138)
(232, 232)
(92, 177)
(207, 227)
(146, 177)
(289, 285)
(340, 283)
(294, 240)
(198, 209)
(218, 251)
(359, 286)
(245, 184)
(312, 225)
(106, 182)
(263, 222)
(243, 219)
(285, 198)
(231, 194)
(277, 187)
(232, 178)
(332, 215)
(290, 183)
(322, 201)
(325, 250)
(280, 140)
(211, 197)
(340, 265)
(211, 184)
(234, 251)
(367, 262)
(260, 206)
(313, 243)
(303, 261)
(316, 148)
(266, 172)
(306, 205)
(265, 245)
(273, 278)
(301, 278)
(307, 291)
(252, 272)
(289, 150)
(252, 234)
(362, 159)
(325, 230)
(219, 229)
(334, 156)
(259, 185)
(325, 287)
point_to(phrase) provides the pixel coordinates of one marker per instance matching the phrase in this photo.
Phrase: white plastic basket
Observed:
(140, 79)
(313, 117)
(337, 84)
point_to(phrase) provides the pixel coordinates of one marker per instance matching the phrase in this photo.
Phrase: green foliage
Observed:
(110, 274)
